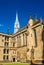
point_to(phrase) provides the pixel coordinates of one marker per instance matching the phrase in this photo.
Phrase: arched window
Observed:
(4, 51)
(13, 44)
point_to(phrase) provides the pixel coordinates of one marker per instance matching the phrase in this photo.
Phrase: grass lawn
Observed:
(15, 64)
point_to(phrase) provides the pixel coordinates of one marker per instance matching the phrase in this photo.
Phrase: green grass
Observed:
(15, 64)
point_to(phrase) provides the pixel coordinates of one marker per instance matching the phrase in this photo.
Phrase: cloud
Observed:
(1, 25)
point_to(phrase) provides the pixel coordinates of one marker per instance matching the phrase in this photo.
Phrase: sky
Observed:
(24, 8)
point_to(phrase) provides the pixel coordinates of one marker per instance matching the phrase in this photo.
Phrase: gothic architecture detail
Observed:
(25, 45)
(16, 24)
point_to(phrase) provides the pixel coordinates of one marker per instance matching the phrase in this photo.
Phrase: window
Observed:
(19, 40)
(7, 57)
(7, 38)
(24, 39)
(4, 57)
(4, 51)
(35, 37)
(13, 44)
(15, 39)
(6, 44)
(7, 51)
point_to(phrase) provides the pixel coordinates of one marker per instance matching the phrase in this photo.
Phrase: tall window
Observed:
(4, 57)
(19, 41)
(15, 39)
(24, 39)
(7, 57)
(35, 37)
(7, 38)
(7, 51)
(5, 44)
(4, 51)
(13, 44)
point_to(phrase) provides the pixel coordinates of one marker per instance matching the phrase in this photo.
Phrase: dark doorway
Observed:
(13, 59)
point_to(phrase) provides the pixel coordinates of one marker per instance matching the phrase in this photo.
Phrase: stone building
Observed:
(25, 45)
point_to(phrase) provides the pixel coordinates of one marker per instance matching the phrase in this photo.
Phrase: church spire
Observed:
(16, 17)
(16, 24)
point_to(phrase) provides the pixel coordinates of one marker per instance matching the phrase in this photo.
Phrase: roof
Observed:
(5, 34)
(21, 30)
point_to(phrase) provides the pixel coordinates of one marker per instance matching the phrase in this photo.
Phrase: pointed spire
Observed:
(16, 17)
(16, 24)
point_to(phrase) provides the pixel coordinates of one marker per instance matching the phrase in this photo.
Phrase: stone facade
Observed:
(26, 45)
